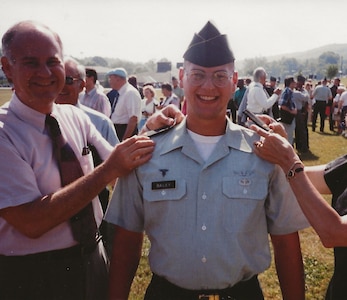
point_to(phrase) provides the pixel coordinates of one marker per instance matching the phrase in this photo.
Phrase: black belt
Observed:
(160, 288)
(77, 251)
(321, 100)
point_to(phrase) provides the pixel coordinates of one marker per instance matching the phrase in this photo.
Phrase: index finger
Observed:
(260, 131)
(171, 111)
(266, 119)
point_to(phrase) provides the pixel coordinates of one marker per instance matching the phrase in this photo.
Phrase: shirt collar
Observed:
(234, 137)
(92, 92)
(123, 88)
(27, 114)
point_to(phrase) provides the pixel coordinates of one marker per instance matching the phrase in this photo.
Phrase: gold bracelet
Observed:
(293, 171)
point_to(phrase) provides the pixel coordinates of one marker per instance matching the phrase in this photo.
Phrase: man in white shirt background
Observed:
(126, 109)
(259, 101)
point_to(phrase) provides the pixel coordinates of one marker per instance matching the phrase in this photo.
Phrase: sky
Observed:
(143, 30)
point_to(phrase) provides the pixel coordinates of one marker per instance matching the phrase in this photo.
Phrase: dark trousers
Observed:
(160, 289)
(319, 108)
(331, 120)
(121, 128)
(337, 286)
(301, 132)
(67, 274)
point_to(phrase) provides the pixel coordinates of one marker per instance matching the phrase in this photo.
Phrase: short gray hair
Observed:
(80, 68)
(258, 73)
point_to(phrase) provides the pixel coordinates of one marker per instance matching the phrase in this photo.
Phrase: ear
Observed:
(6, 67)
(180, 75)
(234, 80)
(82, 85)
(235, 77)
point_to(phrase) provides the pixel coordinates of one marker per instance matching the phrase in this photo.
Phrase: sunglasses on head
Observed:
(69, 80)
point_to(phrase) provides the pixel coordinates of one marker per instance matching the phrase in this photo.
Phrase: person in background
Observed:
(74, 83)
(321, 94)
(177, 90)
(238, 95)
(336, 111)
(206, 202)
(308, 183)
(308, 88)
(133, 81)
(288, 109)
(334, 88)
(93, 97)
(41, 255)
(240, 91)
(259, 101)
(300, 98)
(169, 96)
(270, 88)
(342, 109)
(126, 108)
(235, 100)
(148, 104)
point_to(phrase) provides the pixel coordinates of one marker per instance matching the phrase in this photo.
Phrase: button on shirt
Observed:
(208, 221)
(29, 170)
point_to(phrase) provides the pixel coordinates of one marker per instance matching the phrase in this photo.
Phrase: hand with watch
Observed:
(296, 168)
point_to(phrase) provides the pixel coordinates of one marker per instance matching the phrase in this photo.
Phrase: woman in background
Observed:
(148, 104)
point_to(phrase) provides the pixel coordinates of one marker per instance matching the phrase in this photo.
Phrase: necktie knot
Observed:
(53, 126)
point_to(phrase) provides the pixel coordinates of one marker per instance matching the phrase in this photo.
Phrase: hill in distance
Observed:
(340, 49)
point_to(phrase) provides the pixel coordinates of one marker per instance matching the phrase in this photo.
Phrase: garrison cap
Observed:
(209, 48)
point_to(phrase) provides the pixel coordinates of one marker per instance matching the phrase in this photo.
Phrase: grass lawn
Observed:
(317, 259)
(5, 95)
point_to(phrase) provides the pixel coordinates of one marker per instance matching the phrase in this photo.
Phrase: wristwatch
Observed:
(293, 171)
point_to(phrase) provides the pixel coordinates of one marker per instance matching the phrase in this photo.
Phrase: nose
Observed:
(208, 82)
(44, 70)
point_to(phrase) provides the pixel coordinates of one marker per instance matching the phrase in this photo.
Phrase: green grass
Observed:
(318, 260)
(5, 95)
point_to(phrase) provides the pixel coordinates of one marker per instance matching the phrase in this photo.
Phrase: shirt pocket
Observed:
(166, 206)
(244, 198)
(86, 162)
(164, 190)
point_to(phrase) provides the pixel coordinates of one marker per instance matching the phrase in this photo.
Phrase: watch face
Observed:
(291, 173)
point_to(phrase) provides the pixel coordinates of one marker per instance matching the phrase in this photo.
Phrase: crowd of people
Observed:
(297, 106)
(207, 192)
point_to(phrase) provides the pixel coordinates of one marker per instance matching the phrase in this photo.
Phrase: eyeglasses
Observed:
(198, 77)
(69, 80)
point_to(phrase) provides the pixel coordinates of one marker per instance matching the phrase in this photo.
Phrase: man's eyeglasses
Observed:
(69, 80)
(219, 78)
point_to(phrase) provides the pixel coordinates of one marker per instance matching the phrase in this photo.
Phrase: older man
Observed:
(258, 99)
(45, 252)
(126, 104)
(74, 83)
